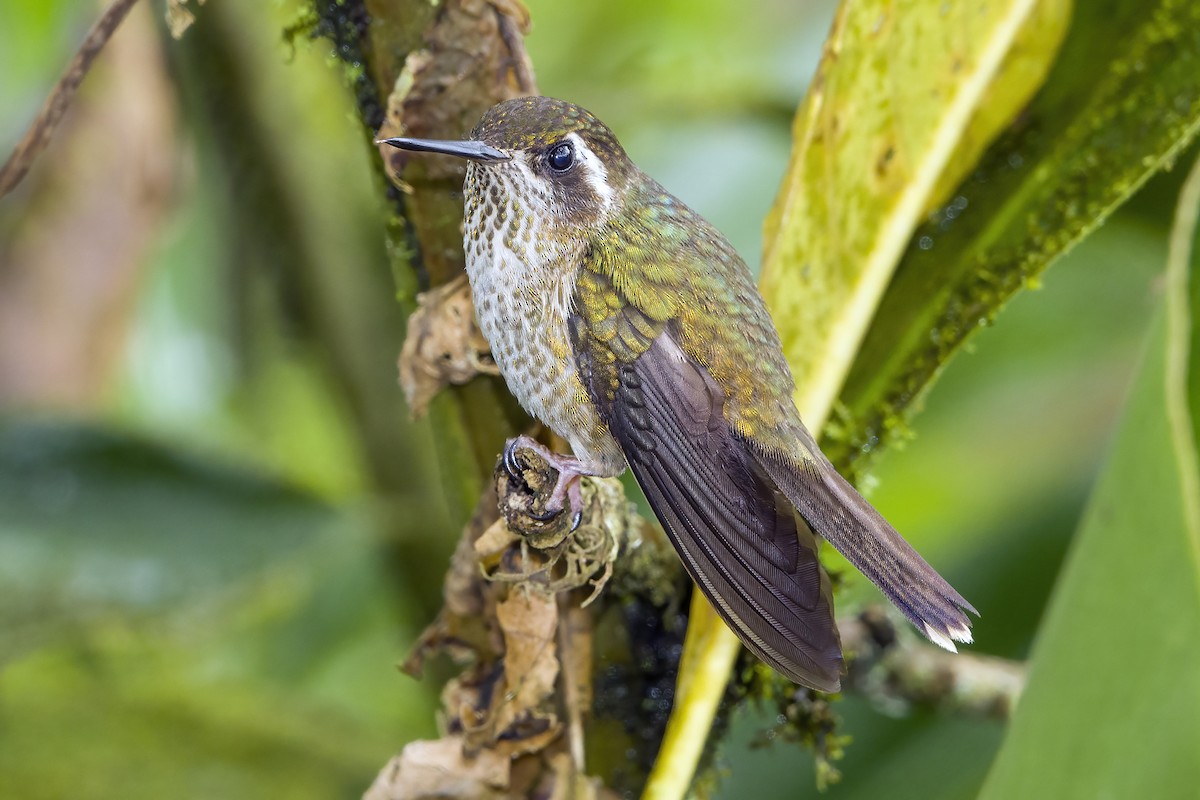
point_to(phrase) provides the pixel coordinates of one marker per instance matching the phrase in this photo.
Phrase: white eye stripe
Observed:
(594, 171)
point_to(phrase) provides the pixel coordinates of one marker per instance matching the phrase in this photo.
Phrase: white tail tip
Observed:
(961, 634)
(941, 640)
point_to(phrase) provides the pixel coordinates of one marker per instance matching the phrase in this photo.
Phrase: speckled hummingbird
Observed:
(626, 322)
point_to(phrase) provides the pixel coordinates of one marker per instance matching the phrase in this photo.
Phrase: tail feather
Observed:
(836, 511)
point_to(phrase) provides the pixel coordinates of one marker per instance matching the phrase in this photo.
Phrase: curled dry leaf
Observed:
(443, 88)
(525, 719)
(460, 629)
(443, 345)
(515, 13)
(439, 769)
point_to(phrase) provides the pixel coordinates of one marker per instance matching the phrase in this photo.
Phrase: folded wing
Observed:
(737, 534)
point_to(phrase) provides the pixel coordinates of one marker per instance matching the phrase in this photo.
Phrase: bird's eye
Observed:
(561, 157)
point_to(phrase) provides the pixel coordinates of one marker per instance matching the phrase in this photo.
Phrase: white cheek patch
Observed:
(594, 171)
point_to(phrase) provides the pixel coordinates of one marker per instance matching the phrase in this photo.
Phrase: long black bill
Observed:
(475, 151)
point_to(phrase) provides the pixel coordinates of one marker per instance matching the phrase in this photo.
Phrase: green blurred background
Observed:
(218, 530)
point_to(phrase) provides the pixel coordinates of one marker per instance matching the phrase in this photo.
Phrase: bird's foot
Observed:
(566, 492)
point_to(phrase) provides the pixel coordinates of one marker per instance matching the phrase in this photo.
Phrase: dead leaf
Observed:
(471, 57)
(494, 541)
(516, 11)
(517, 612)
(529, 622)
(462, 627)
(439, 769)
(443, 345)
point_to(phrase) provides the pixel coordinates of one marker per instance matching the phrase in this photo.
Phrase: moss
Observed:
(639, 641)
(346, 24)
(639, 692)
(803, 716)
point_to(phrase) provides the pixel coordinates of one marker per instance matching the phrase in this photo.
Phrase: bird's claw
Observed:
(511, 465)
(565, 493)
(545, 516)
(551, 513)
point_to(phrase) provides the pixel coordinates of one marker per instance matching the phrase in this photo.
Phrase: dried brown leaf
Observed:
(471, 57)
(524, 592)
(428, 769)
(443, 345)
(494, 541)
(529, 621)
(461, 628)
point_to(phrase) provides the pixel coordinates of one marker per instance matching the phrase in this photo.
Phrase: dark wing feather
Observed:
(738, 536)
(835, 510)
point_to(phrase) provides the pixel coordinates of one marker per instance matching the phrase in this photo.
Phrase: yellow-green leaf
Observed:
(900, 88)
(1113, 703)
(1121, 101)
(1021, 74)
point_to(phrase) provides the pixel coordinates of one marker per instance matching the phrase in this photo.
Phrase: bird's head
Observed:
(544, 156)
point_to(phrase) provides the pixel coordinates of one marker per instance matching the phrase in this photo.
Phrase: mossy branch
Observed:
(431, 70)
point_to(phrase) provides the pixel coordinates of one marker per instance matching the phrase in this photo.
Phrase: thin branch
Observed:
(898, 672)
(513, 21)
(39, 133)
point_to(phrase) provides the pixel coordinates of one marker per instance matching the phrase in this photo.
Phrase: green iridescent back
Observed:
(656, 264)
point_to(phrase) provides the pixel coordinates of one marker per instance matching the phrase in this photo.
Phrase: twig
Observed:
(512, 20)
(897, 673)
(39, 133)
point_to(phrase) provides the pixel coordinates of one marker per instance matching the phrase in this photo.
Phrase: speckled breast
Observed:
(522, 282)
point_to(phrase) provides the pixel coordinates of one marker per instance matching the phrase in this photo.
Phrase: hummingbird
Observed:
(626, 323)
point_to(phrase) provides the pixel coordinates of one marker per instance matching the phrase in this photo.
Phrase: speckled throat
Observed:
(522, 267)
